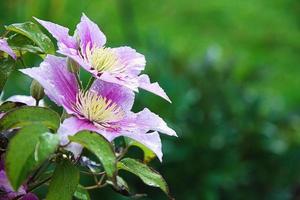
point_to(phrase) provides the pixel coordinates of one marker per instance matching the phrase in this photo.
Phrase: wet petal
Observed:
(60, 85)
(144, 83)
(129, 82)
(6, 48)
(147, 120)
(120, 95)
(133, 61)
(70, 127)
(150, 140)
(60, 33)
(90, 34)
(28, 100)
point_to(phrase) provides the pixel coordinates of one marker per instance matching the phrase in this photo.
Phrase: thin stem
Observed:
(78, 80)
(5, 34)
(95, 186)
(38, 171)
(123, 153)
(39, 184)
(91, 81)
(98, 184)
(21, 59)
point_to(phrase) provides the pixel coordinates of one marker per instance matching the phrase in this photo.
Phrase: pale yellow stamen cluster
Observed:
(104, 60)
(97, 109)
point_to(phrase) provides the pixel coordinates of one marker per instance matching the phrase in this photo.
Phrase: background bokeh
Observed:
(232, 70)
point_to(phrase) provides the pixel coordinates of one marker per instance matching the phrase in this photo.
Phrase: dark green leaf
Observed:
(82, 193)
(33, 32)
(6, 67)
(21, 43)
(27, 150)
(64, 181)
(29, 115)
(148, 154)
(8, 105)
(120, 186)
(100, 147)
(148, 175)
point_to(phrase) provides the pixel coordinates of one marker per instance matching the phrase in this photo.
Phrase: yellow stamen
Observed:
(97, 109)
(104, 60)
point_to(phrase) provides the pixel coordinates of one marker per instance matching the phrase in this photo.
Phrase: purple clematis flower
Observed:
(121, 65)
(6, 191)
(104, 108)
(6, 48)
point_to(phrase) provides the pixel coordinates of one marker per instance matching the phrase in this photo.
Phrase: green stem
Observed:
(5, 34)
(78, 80)
(39, 184)
(91, 81)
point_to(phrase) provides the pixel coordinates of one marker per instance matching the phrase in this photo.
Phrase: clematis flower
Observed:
(6, 48)
(6, 191)
(121, 65)
(105, 108)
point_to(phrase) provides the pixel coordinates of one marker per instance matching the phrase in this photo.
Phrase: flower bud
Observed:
(36, 90)
(73, 66)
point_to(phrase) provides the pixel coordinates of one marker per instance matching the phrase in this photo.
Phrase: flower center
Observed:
(97, 108)
(104, 60)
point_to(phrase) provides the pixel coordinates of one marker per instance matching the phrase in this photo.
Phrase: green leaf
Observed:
(82, 193)
(27, 115)
(21, 43)
(33, 32)
(120, 186)
(31, 146)
(148, 154)
(9, 105)
(64, 181)
(148, 175)
(98, 145)
(6, 67)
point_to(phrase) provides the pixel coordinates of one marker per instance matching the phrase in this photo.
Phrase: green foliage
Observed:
(6, 67)
(146, 174)
(81, 193)
(27, 115)
(64, 181)
(99, 146)
(7, 106)
(148, 154)
(33, 32)
(27, 150)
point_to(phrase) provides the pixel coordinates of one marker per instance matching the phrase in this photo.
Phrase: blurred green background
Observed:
(232, 71)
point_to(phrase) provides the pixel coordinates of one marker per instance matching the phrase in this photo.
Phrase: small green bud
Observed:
(73, 66)
(36, 90)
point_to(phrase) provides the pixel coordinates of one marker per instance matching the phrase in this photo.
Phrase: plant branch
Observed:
(91, 81)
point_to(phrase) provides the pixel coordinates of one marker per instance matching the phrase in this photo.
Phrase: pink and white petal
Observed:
(28, 100)
(120, 95)
(7, 189)
(60, 33)
(144, 83)
(90, 34)
(6, 48)
(60, 85)
(150, 140)
(130, 83)
(70, 127)
(75, 55)
(147, 120)
(133, 61)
